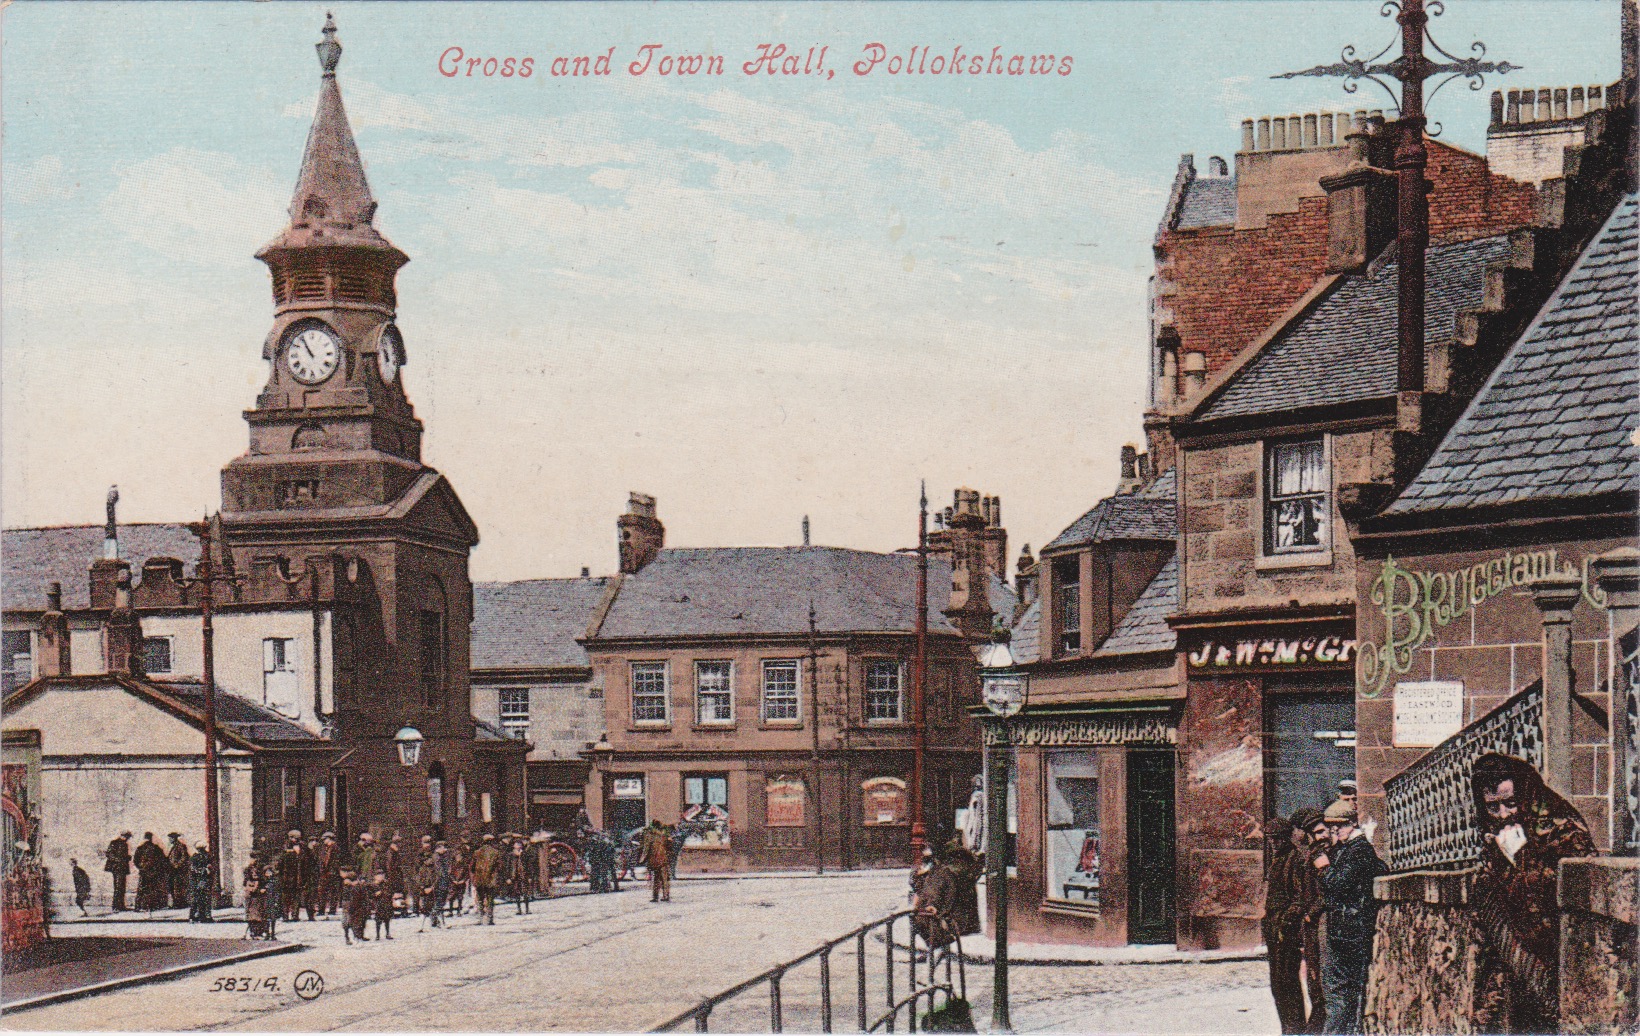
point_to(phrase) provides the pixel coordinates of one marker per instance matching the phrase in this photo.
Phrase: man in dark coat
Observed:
(393, 866)
(310, 879)
(486, 870)
(201, 889)
(656, 851)
(82, 885)
(292, 862)
(1528, 830)
(177, 857)
(1314, 904)
(1283, 921)
(329, 862)
(117, 862)
(1347, 870)
(965, 868)
(153, 874)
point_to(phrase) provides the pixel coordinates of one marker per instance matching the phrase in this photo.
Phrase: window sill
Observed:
(879, 723)
(780, 724)
(641, 726)
(1282, 562)
(712, 726)
(1070, 908)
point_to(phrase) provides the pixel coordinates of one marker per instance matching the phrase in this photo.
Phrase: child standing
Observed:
(355, 905)
(382, 898)
(82, 886)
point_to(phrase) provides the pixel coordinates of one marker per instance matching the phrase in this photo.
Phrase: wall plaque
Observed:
(1427, 712)
(784, 798)
(883, 802)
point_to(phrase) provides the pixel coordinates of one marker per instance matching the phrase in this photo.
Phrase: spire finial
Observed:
(330, 50)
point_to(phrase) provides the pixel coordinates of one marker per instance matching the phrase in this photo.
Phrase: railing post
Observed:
(825, 990)
(860, 976)
(911, 971)
(774, 1004)
(702, 1019)
(888, 972)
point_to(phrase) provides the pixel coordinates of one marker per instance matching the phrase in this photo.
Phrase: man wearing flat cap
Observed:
(1347, 871)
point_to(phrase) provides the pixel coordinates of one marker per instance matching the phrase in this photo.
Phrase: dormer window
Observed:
(1295, 497)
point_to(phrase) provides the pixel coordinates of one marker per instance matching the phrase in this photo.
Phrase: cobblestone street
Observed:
(620, 963)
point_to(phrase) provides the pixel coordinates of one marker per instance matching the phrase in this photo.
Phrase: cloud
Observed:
(198, 207)
(42, 180)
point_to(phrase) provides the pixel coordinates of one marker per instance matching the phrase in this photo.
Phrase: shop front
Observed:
(1093, 817)
(1268, 728)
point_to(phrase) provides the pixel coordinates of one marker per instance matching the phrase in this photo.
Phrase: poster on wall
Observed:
(785, 798)
(883, 802)
(1427, 712)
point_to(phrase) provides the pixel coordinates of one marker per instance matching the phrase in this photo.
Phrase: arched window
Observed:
(433, 643)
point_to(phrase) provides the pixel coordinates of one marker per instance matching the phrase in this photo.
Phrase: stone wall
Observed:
(1599, 986)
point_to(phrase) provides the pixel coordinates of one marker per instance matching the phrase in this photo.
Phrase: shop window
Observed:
(280, 688)
(515, 712)
(1295, 492)
(714, 693)
(1067, 599)
(884, 699)
(649, 692)
(156, 655)
(18, 652)
(780, 690)
(1073, 847)
(706, 811)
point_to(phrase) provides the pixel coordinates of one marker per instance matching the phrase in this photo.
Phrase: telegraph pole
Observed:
(814, 752)
(919, 681)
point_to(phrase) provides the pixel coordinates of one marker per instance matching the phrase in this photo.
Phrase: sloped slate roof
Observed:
(238, 715)
(31, 559)
(1557, 416)
(1146, 515)
(1208, 202)
(725, 591)
(1026, 639)
(1344, 349)
(1144, 627)
(533, 623)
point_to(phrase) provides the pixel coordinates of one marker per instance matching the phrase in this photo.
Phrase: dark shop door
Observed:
(1311, 747)
(1150, 847)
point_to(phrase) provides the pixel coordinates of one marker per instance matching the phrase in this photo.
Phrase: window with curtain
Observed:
(1073, 826)
(1295, 492)
(714, 693)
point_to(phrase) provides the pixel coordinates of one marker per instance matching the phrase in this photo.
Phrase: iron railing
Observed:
(921, 984)
(1429, 806)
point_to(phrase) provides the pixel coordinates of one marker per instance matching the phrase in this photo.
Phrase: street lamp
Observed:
(1005, 688)
(408, 740)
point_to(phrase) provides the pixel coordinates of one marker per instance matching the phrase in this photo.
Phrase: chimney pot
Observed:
(1310, 131)
(1247, 134)
(1597, 95)
(1577, 102)
(586, 572)
(54, 597)
(1560, 102)
(805, 530)
(1130, 460)
(1326, 128)
(1278, 134)
(1217, 167)
(1497, 108)
(1511, 114)
(1264, 134)
(641, 534)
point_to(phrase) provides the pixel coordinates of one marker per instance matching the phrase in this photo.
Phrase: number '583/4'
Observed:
(245, 984)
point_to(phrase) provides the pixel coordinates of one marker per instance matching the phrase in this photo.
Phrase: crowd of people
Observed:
(1320, 913)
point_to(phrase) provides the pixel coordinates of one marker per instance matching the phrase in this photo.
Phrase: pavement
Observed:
(619, 963)
(68, 966)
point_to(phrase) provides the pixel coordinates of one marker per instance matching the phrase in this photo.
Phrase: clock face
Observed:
(312, 354)
(390, 353)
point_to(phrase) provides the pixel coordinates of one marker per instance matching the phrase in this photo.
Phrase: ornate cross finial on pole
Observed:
(1412, 68)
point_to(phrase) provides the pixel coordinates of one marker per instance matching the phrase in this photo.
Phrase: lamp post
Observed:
(1005, 688)
(409, 742)
(919, 682)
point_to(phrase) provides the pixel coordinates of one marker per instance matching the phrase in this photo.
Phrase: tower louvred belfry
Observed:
(331, 507)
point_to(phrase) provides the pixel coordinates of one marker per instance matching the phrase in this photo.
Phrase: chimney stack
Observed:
(1025, 576)
(54, 658)
(1361, 203)
(641, 533)
(111, 529)
(805, 530)
(969, 606)
(122, 633)
(1531, 129)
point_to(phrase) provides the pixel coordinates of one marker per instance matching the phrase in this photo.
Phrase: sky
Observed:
(755, 297)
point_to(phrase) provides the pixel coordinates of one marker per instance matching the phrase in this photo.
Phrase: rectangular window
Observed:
(780, 690)
(281, 690)
(883, 698)
(290, 792)
(705, 821)
(1067, 599)
(1295, 497)
(156, 655)
(432, 659)
(515, 712)
(18, 651)
(321, 803)
(461, 796)
(1073, 848)
(714, 693)
(649, 692)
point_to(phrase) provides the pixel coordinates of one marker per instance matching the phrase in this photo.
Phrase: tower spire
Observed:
(332, 204)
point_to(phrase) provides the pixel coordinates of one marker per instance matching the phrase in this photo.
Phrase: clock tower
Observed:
(332, 509)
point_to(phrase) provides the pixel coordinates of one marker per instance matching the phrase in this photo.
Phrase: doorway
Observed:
(1150, 847)
(1310, 746)
(628, 806)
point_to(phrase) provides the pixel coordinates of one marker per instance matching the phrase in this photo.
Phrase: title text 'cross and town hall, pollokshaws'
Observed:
(770, 59)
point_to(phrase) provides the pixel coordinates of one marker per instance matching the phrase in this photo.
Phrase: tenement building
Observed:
(1286, 433)
(532, 681)
(762, 697)
(340, 563)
